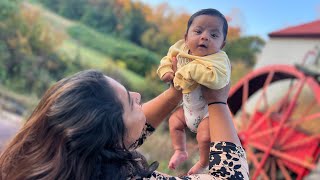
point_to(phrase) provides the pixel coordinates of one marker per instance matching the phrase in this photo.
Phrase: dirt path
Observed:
(9, 125)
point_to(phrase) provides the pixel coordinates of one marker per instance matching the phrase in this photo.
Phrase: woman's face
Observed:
(133, 116)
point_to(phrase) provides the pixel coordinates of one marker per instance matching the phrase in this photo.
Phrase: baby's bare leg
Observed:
(203, 138)
(177, 125)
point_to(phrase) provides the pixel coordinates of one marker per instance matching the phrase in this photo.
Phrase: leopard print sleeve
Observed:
(227, 161)
(146, 132)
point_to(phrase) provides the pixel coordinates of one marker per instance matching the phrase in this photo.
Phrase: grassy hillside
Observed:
(90, 58)
(96, 60)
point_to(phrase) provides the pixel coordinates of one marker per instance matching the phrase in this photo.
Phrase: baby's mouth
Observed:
(202, 46)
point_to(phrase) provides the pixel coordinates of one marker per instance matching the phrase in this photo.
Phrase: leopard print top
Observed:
(226, 161)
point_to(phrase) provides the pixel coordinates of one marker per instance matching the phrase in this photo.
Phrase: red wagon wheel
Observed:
(277, 113)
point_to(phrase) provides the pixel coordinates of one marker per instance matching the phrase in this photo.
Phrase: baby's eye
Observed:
(197, 31)
(214, 35)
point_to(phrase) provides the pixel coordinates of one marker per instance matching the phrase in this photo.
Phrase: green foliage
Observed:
(73, 9)
(28, 59)
(155, 41)
(137, 59)
(122, 19)
(244, 49)
(101, 18)
(8, 8)
(54, 5)
(133, 25)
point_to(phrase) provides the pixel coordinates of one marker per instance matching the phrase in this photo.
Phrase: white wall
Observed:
(286, 51)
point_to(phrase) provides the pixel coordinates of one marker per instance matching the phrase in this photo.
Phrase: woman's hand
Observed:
(216, 95)
(157, 109)
(167, 77)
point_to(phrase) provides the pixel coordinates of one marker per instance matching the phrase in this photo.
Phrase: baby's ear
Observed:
(223, 44)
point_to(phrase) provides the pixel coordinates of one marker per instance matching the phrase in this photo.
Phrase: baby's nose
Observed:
(204, 36)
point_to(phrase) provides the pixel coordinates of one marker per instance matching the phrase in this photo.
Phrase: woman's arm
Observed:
(225, 144)
(157, 109)
(220, 120)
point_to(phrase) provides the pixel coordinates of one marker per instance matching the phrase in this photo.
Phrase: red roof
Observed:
(311, 29)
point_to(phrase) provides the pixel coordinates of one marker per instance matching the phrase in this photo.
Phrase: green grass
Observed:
(96, 60)
(137, 59)
(89, 57)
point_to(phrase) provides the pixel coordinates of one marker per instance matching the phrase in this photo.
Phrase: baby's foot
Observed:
(197, 168)
(177, 158)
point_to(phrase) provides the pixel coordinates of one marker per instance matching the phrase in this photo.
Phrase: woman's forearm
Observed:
(221, 124)
(157, 109)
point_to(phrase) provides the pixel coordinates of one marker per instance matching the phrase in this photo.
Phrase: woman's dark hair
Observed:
(210, 12)
(75, 132)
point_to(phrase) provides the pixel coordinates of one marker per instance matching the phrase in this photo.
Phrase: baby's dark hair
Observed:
(210, 12)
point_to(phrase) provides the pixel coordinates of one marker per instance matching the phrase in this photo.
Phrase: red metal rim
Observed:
(258, 78)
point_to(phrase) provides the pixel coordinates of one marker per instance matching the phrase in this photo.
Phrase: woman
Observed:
(88, 125)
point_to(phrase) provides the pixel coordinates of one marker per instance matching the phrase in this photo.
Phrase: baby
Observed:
(200, 61)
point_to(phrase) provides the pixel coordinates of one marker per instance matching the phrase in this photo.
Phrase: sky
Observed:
(255, 17)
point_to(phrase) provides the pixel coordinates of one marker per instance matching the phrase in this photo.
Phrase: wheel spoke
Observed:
(304, 141)
(284, 156)
(263, 96)
(265, 99)
(254, 159)
(293, 126)
(245, 94)
(273, 171)
(263, 133)
(283, 169)
(304, 120)
(309, 108)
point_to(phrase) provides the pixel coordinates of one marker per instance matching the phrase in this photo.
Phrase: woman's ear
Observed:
(185, 37)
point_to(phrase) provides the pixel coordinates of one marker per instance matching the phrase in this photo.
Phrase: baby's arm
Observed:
(213, 75)
(165, 71)
(168, 76)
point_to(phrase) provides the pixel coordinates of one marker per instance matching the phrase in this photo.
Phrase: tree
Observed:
(132, 24)
(73, 9)
(52, 4)
(244, 49)
(105, 22)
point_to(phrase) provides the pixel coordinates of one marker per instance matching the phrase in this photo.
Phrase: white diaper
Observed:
(195, 108)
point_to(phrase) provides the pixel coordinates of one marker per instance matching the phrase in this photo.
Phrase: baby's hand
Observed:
(167, 77)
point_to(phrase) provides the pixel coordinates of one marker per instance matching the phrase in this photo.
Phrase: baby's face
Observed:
(205, 35)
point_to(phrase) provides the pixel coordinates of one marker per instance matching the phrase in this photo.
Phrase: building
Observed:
(291, 44)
